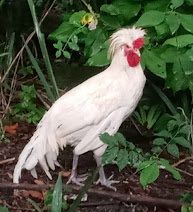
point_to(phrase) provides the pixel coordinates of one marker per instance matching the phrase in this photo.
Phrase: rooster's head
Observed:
(129, 41)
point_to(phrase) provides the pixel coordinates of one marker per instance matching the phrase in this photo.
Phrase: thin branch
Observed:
(7, 161)
(182, 161)
(150, 201)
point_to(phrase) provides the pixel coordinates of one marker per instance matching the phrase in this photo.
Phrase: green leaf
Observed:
(128, 9)
(121, 139)
(176, 3)
(164, 134)
(145, 164)
(99, 59)
(156, 149)
(57, 196)
(186, 21)
(182, 142)
(73, 46)
(149, 174)
(171, 125)
(173, 22)
(58, 45)
(66, 54)
(159, 5)
(3, 209)
(159, 141)
(180, 41)
(151, 18)
(109, 155)
(58, 53)
(112, 22)
(134, 158)
(110, 8)
(165, 164)
(122, 159)
(108, 139)
(173, 150)
(76, 18)
(155, 64)
(162, 29)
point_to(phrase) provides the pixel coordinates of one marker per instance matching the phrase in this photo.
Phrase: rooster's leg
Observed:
(74, 177)
(102, 178)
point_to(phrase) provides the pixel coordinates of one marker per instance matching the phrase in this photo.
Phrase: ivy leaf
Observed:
(186, 21)
(122, 159)
(180, 41)
(173, 150)
(182, 142)
(155, 64)
(149, 174)
(173, 22)
(109, 155)
(151, 18)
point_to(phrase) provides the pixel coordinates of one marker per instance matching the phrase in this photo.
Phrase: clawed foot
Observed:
(107, 182)
(77, 179)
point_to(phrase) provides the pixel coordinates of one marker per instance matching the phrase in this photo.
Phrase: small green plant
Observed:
(120, 151)
(27, 108)
(147, 115)
(187, 198)
(176, 133)
(150, 170)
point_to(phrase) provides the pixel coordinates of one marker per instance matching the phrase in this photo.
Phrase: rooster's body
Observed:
(98, 105)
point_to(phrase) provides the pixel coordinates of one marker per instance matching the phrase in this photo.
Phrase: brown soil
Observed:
(165, 187)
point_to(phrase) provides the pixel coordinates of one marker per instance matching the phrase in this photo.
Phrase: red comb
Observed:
(138, 44)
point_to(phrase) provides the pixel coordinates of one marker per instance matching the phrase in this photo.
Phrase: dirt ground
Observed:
(165, 188)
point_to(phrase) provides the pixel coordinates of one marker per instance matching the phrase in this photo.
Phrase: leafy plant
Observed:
(4, 209)
(187, 198)
(150, 170)
(176, 133)
(147, 115)
(120, 151)
(27, 108)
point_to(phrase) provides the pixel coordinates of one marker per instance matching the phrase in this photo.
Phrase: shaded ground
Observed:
(165, 187)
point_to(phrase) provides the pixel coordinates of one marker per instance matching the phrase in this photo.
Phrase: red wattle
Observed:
(133, 59)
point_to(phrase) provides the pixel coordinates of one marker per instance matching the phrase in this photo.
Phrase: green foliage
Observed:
(27, 108)
(176, 133)
(150, 170)
(187, 198)
(120, 151)
(4, 209)
(147, 115)
(169, 43)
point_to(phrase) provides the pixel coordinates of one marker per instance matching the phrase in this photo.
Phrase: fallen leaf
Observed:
(11, 129)
(65, 174)
(34, 194)
(39, 182)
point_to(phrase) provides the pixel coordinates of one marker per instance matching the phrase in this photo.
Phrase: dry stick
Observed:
(184, 172)
(26, 42)
(150, 201)
(182, 161)
(7, 161)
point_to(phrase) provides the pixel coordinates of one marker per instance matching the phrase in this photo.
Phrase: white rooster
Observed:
(98, 105)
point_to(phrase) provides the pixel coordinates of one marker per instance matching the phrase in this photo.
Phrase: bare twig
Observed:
(182, 161)
(184, 172)
(151, 201)
(7, 161)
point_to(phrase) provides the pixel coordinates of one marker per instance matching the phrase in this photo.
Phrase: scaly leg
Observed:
(102, 178)
(74, 177)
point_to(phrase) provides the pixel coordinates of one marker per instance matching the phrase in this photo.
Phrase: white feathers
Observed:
(98, 105)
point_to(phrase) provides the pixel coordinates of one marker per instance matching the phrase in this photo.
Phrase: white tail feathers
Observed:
(37, 150)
